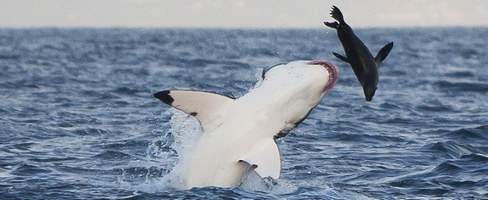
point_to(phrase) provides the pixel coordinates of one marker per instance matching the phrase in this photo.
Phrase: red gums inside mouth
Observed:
(331, 68)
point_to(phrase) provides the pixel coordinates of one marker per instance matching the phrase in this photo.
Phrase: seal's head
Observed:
(369, 92)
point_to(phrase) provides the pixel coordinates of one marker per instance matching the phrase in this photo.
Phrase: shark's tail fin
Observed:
(337, 14)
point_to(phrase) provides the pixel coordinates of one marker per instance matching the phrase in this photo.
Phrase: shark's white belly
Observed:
(216, 156)
(215, 162)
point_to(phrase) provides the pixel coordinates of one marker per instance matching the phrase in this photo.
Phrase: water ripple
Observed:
(78, 120)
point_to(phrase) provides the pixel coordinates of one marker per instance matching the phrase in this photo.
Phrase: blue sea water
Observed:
(78, 120)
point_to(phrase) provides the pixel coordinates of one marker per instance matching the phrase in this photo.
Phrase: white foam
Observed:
(186, 131)
(253, 182)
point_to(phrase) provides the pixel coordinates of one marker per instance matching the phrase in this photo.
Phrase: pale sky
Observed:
(240, 13)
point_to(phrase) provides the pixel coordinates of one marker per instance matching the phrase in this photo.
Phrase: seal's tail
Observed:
(337, 14)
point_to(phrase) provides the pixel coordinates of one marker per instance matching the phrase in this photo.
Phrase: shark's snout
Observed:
(333, 72)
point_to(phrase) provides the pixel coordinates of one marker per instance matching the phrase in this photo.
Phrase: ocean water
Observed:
(78, 120)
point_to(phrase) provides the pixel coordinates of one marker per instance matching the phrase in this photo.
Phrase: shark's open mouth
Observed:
(331, 68)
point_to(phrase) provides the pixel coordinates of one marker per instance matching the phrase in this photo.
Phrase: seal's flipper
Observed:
(337, 14)
(205, 106)
(264, 157)
(383, 53)
(332, 25)
(340, 57)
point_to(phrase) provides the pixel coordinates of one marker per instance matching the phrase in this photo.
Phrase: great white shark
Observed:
(239, 134)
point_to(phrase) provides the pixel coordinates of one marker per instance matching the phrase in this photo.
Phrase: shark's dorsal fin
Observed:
(205, 106)
(264, 157)
(383, 53)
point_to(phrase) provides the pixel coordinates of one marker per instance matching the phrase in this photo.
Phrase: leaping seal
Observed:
(358, 55)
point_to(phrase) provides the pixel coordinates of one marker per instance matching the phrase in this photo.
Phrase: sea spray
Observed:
(170, 153)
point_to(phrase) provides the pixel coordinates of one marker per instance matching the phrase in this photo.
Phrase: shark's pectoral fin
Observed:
(205, 106)
(264, 157)
(340, 57)
(383, 53)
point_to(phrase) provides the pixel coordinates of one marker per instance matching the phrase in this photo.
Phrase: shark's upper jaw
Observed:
(333, 72)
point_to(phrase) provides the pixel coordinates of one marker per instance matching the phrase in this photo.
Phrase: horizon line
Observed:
(232, 27)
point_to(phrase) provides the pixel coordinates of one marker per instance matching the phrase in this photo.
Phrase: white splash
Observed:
(183, 134)
(186, 131)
